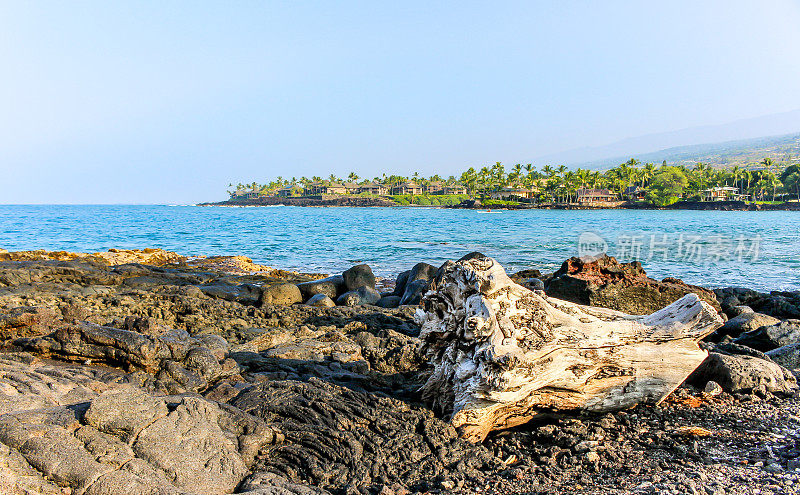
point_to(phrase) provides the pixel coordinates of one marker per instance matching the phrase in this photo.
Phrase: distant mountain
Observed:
(721, 145)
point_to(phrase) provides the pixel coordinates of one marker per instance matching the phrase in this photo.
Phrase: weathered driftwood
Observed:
(503, 354)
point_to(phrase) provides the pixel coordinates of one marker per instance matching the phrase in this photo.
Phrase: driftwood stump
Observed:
(503, 354)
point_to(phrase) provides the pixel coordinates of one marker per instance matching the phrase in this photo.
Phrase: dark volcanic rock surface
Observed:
(137, 379)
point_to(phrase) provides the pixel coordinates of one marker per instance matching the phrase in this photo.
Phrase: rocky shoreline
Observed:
(150, 372)
(362, 201)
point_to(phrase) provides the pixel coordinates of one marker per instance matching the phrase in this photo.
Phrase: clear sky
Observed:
(168, 102)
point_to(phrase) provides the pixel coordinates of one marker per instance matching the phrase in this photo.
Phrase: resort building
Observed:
(408, 187)
(587, 196)
(434, 187)
(453, 189)
(373, 188)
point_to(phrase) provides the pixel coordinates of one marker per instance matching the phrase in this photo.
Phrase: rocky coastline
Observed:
(151, 372)
(374, 201)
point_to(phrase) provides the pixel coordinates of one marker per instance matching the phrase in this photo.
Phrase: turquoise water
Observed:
(760, 250)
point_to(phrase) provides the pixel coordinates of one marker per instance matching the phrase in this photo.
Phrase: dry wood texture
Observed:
(503, 354)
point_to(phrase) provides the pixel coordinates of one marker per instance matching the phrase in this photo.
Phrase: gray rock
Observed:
(712, 388)
(746, 322)
(247, 294)
(414, 291)
(743, 374)
(359, 297)
(358, 276)
(124, 412)
(787, 356)
(771, 337)
(389, 301)
(330, 286)
(321, 301)
(192, 448)
(281, 294)
(265, 483)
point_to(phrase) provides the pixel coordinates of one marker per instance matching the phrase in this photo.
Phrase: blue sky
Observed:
(168, 102)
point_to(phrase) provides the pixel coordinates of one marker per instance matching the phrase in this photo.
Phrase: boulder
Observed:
(603, 281)
(400, 283)
(284, 294)
(330, 286)
(358, 276)
(767, 338)
(359, 297)
(779, 304)
(746, 322)
(247, 294)
(422, 271)
(787, 356)
(743, 374)
(414, 291)
(391, 301)
(321, 301)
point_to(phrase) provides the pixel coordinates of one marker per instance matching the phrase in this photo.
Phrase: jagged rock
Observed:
(337, 438)
(743, 374)
(265, 483)
(331, 286)
(603, 281)
(282, 294)
(746, 322)
(321, 301)
(502, 353)
(766, 338)
(358, 276)
(359, 297)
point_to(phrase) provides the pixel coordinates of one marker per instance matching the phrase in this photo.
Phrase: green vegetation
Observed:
(766, 180)
(429, 200)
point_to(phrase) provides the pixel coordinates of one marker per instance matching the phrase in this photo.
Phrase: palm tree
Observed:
(353, 177)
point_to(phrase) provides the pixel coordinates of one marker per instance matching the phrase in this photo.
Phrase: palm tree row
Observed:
(762, 181)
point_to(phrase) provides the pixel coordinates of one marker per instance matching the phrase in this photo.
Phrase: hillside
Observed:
(742, 152)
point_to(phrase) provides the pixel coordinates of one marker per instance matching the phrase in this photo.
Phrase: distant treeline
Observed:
(657, 184)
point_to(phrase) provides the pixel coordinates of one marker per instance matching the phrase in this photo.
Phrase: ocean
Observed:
(759, 250)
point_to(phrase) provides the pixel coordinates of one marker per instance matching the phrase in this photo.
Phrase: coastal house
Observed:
(408, 187)
(453, 189)
(288, 191)
(512, 193)
(244, 195)
(587, 196)
(725, 193)
(376, 188)
(634, 193)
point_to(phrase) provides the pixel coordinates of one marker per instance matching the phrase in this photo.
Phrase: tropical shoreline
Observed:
(360, 201)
